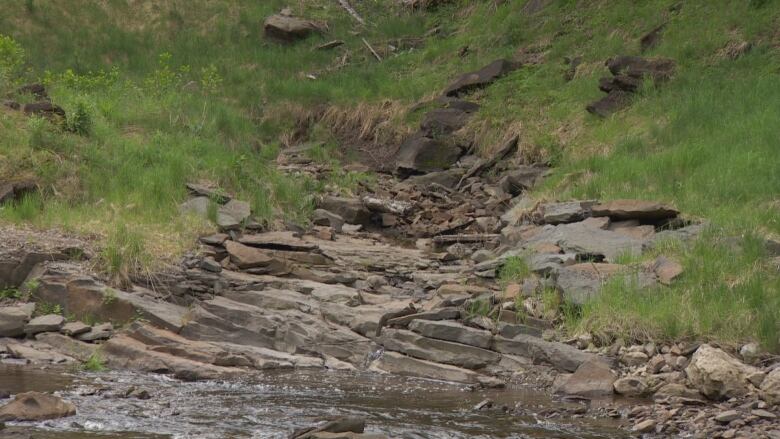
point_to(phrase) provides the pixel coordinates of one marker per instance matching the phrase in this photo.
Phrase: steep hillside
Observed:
(179, 91)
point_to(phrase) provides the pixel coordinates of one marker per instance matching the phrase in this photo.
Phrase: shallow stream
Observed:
(271, 405)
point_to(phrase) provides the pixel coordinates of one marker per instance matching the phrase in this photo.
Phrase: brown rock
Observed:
(35, 406)
(592, 379)
(480, 78)
(634, 209)
(288, 28)
(718, 375)
(247, 257)
(667, 270)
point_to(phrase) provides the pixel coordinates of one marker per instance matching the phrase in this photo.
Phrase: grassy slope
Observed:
(706, 141)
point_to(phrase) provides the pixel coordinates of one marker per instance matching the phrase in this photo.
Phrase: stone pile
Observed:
(40, 106)
(628, 75)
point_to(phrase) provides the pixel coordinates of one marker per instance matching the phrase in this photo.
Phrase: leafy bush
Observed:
(11, 59)
(80, 121)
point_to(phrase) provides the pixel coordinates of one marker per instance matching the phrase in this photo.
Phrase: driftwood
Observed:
(345, 4)
(372, 49)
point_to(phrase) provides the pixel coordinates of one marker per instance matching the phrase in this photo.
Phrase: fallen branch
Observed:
(345, 4)
(372, 50)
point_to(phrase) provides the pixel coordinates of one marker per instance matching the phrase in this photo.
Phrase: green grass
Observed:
(94, 363)
(219, 102)
(514, 269)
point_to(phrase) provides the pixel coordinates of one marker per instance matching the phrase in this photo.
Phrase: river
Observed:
(271, 405)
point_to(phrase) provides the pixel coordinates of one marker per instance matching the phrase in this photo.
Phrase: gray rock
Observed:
(198, 206)
(480, 78)
(592, 379)
(75, 328)
(582, 282)
(419, 155)
(549, 263)
(47, 323)
(634, 209)
(727, 416)
(322, 217)
(102, 331)
(438, 314)
(286, 28)
(566, 212)
(14, 318)
(717, 375)
(209, 264)
(482, 256)
(440, 351)
(631, 386)
(447, 178)
(399, 364)
(34, 406)
(511, 330)
(563, 357)
(350, 210)
(232, 215)
(452, 331)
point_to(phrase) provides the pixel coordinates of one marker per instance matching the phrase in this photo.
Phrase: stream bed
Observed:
(271, 405)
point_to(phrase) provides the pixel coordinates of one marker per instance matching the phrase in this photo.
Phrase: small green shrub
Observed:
(94, 363)
(46, 308)
(80, 121)
(11, 59)
(478, 307)
(515, 269)
(124, 254)
(10, 293)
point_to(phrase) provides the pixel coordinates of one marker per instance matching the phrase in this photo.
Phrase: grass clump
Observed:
(94, 363)
(124, 255)
(514, 269)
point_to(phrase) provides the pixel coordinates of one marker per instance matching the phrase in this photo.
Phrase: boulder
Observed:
(47, 323)
(622, 210)
(456, 354)
(592, 379)
(770, 387)
(67, 346)
(615, 101)
(481, 78)
(247, 257)
(420, 154)
(448, 178)
(14, 318)
(452, 331)
(582, 282)
(44, 109)
(566, 212)
(631, 386)
(586, 241)
(443, 121)
(209, 191)
(322, 217)
(399, 364)
(233, 215)
(521, 179)
(657, 69)
(350, 210)
(563, 357)
(718, 375)
(667, 270)
(198, 206)
(103, 331)
(15, 190)
(277, 241)
(35, 406)
(286, 28)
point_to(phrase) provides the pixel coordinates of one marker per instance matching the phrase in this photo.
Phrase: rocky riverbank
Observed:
(400, 279)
